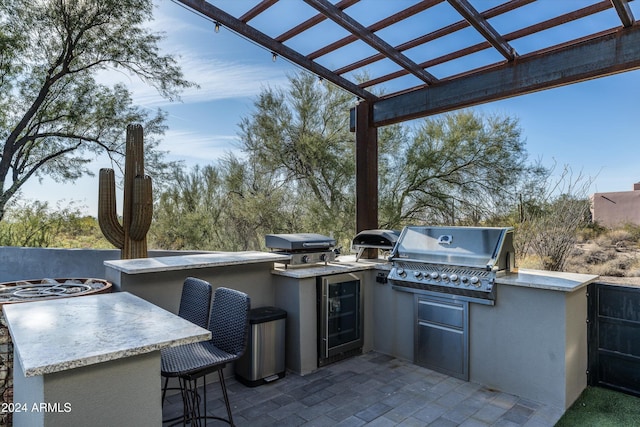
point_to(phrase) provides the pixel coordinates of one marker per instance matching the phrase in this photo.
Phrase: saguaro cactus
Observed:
(131, 236)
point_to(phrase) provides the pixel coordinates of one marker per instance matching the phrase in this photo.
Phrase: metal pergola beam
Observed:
(351, 25)
(477, 21)
(609, 53)
(239, 27)
(624, 12)
(523, 32)
(384, 23)
(343, 4)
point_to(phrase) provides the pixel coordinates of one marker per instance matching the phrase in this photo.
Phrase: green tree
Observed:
(302, 135)
(297, 172)
(227, 206)
(36, 224)
(187, 213)
(54, 115)
(458, 168)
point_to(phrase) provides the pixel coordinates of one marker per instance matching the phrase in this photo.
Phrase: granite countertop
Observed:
(61, 334)
(344, 264)
(549, 280)
(186, 262)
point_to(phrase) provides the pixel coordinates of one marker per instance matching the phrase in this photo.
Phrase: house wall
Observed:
(616, 208)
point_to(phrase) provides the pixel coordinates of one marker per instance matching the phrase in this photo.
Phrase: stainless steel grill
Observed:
(303, 248)
(459, 261)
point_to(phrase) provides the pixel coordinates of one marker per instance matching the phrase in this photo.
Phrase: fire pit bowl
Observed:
(36, 290)
(22, 291)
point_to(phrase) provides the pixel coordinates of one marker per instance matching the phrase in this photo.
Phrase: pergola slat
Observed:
(613, 52)
(371, 39)
(533, 29)
(384, 23)
(624, 12)
(434, 35)
(478, 22)
(225, 19)
(315, 20)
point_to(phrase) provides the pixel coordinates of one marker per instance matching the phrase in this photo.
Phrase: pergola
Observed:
(411, 48)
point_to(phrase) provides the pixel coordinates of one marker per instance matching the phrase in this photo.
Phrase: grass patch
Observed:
(600, 407)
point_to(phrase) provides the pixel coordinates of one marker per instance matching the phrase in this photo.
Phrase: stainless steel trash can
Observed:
(263, 361)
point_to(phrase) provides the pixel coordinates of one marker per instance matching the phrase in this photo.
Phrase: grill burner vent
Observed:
(462, 261)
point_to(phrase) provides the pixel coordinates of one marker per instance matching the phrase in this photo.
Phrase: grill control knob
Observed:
(475, 281)
(401, 272)
(323, 257)
(434, 275)
(464, 279)
(444, 277)
(305, 259)
(454, 278)
(418, 275)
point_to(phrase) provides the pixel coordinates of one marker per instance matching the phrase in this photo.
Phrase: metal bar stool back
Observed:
(229, 326)
(195, 306)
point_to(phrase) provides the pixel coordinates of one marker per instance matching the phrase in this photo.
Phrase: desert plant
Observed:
(137, 211)
(550, 230)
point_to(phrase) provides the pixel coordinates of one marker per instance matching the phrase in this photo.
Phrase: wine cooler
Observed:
(340, 325)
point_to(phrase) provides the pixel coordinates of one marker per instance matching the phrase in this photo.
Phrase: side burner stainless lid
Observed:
(299, 242)
(477, 247)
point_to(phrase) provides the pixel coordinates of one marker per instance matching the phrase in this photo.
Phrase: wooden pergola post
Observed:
(366, 171)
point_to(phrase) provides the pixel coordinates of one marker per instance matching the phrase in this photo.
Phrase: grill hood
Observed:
(489, 248)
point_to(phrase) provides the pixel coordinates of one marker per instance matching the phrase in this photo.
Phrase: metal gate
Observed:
(614, 337)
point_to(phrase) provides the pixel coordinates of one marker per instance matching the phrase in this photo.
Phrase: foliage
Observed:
(54, 115)
(36, 224)
(459, 168)
(550, 220)
(297, 174)
(301, 138)
(228, 206)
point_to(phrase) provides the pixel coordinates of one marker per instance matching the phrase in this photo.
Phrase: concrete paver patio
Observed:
(374, 390)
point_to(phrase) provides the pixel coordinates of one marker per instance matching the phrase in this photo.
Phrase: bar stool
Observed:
(195, 306)
(229, 326)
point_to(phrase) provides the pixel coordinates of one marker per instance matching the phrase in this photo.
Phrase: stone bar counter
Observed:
(92, 360)
(159, 280)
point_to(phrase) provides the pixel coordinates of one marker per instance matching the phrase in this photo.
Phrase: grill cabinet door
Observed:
(441, 337)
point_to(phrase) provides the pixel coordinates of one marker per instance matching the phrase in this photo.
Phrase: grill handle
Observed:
(316, 245)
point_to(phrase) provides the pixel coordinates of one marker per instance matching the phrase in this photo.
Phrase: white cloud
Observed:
(216, 80)
(195, 147)
(189, 38)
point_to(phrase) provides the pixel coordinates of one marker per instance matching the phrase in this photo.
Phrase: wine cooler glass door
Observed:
(341, 308)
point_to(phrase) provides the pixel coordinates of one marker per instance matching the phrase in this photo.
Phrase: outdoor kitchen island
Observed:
(92, 360)
(532, 342)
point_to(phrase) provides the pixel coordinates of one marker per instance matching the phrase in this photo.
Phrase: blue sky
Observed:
(590, 127)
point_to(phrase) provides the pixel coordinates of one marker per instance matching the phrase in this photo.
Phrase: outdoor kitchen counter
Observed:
(95, 359)
(344, 264)
(159, 280)
(188, 262)
(549, 280)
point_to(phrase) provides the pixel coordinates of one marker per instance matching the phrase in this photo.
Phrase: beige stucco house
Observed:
(616, 208)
